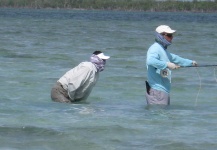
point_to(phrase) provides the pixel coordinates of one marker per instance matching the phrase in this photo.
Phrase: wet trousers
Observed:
(156, 97)
(59, 94)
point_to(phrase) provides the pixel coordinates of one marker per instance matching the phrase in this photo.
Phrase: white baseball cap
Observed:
(164, 29)
(102, 56)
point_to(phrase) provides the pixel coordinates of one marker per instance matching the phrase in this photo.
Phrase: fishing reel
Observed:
(164, 73)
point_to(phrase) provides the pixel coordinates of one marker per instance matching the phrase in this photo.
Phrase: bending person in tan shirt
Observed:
(77, 83)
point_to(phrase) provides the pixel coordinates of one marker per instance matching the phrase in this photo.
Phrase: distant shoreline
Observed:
(130, 5)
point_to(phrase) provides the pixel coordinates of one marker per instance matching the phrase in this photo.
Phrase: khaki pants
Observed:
(59, 94)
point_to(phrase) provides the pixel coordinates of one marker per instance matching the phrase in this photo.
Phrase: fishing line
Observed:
(195, 103)
(200, 85)
(215, 75)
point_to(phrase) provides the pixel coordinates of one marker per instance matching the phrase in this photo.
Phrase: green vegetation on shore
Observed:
(141, 5)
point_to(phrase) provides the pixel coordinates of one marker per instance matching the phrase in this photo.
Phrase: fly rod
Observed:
(201, 66)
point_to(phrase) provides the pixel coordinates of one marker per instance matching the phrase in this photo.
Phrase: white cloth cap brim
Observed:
(102, 56)
(164, 29)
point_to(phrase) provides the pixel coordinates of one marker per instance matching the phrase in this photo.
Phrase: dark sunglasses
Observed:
(168, 35)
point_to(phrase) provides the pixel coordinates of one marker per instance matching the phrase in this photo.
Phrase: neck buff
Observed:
(161, 40)
(99, 63)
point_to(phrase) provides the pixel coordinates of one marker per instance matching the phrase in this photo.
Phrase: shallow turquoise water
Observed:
(39, 46)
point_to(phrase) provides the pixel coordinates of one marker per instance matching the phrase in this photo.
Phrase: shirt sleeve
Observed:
(154, 60)
(179, 60)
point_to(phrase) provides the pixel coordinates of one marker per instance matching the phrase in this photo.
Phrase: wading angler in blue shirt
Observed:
(159, 64)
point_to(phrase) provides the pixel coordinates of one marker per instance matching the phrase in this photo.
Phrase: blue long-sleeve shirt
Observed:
(157, 58)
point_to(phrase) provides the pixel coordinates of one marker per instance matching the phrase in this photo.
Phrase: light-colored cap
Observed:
(164, 29)
(102, 56)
